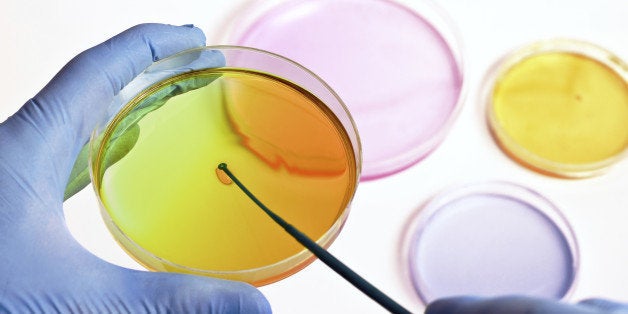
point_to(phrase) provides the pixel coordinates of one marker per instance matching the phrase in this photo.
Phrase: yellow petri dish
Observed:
(560, 107)
(280, 129)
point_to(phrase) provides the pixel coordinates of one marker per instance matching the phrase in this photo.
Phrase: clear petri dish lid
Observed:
(490, 239)
(398, 68)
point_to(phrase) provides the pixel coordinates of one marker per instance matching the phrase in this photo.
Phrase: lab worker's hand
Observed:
(522, 305)
(42, 267)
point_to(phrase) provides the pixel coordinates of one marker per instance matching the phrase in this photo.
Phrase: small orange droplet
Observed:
(223, 177)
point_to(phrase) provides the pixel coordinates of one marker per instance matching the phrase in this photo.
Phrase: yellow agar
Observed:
(281, 141)
(560, 109)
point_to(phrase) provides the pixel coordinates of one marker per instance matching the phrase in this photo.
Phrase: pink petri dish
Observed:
(491, 239)
(398, 68)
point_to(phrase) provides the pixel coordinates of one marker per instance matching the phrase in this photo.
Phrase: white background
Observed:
(39, 37)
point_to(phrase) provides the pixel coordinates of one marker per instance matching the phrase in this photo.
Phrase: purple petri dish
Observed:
(491, 239)
(397, 68)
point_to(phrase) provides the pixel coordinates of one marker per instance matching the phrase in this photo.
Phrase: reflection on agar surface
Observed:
(303, 143)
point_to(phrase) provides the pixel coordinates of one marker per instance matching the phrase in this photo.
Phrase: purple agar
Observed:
(491, 239)
(398, 71)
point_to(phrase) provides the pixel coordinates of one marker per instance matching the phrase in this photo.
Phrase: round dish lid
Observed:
(397, 69)
(491, 239)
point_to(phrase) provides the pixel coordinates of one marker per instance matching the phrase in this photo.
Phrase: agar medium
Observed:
(491, 239)
(398, 69)
(560, 107)
(154, 164)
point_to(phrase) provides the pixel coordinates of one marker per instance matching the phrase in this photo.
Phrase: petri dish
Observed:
(490, 239)
(560, 107)
(281, 130)
(398, 68)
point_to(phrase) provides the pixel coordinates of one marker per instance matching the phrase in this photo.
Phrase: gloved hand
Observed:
(42, 267)
(521, 305)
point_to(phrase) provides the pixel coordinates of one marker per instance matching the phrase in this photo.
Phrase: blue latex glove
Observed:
(42, 267)
(521, 305)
